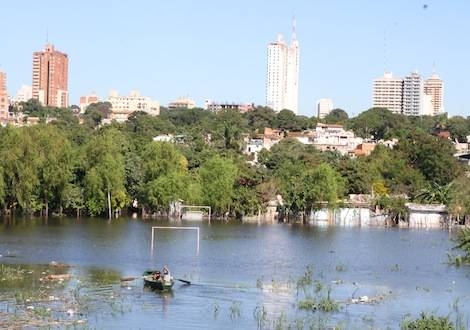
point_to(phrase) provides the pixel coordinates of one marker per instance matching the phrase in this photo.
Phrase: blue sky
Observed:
(217, 49)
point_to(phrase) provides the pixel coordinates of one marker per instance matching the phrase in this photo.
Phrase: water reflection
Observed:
(242, 270)
(162, 298)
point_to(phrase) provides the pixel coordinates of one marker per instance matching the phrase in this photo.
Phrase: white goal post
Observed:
(154, 228)
(192, 207)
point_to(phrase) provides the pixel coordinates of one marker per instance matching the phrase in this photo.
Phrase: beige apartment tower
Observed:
(3, 96)
(434, 87)
(50, 77)
(388, 93)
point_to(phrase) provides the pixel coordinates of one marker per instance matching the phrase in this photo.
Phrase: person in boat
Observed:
(166, 274)
(156, 275)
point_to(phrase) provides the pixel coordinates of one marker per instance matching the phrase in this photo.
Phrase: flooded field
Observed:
(87, 274)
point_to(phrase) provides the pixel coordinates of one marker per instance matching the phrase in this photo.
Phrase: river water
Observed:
(243, 276)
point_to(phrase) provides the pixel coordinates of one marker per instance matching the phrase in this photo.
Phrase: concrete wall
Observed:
(426, 220)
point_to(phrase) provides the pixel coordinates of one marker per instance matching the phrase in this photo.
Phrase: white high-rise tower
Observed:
(282, 79)
(413, 91)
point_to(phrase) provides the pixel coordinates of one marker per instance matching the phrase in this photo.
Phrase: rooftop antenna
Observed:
(385, 51)
(294, 24)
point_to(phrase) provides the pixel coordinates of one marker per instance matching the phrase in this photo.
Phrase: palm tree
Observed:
(434, 194)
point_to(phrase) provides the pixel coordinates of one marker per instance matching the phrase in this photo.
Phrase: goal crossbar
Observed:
(192, 207)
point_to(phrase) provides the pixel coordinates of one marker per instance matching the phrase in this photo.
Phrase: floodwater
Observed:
(243, 276)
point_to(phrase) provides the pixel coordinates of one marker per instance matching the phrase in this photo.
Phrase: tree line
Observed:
(76, 165)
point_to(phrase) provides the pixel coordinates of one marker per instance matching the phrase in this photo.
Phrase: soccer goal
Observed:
(198, 208)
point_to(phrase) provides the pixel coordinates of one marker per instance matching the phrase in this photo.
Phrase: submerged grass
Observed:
(427, 321)
(42, 296)
(12, 272)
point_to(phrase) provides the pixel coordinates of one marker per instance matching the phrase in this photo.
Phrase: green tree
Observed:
(217, 177)
(434, 193)
(463, 243)
(459, 128)
(165, 175)
(289, 149)
(459, 204)
(260, 118)
(286, 120)
(134, 174)
(358, 175)
(19, 154)
(96, 112)
(229, 129)
(378, 123)
(431, 155)
(247, 199)
(289, 178)
(105, 175)
(322, 184)
(73, 198)
(2, 187)
(336, 116)
(392, 168)
(32, 107)
(54, 163)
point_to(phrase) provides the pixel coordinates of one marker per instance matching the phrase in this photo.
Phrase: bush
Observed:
(428, 322)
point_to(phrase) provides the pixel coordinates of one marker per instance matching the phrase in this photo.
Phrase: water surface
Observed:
(242, 269)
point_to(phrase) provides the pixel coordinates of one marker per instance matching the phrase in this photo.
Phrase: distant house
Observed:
(182, 103)
(364, 149)
(325, 137)
(426, 215)
(178, 139)
(217, 106)
(164, 138)
(263, 141)
(335, 138)
(271, 137)
(123, 106)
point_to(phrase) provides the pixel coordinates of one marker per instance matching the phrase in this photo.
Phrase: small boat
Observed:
(158, 281)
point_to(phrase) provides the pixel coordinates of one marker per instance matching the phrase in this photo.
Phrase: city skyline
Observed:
(412, 95)
(184, 48)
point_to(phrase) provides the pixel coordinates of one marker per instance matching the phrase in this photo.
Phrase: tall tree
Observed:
(165, 175)
(431, 155)
(336, 116)
(260, 118)
(96, 112)
(19, 154)
(105, 176)
(322, 184)
(378, 123)
(217, 181)
(55, 163)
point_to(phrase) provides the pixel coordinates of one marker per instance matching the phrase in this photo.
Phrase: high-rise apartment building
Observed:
(4, 103)
(50, 77)
(413, 90)
(324, 107)
(410, 96)
(388, 93)
(282, 79)
(434, 87)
